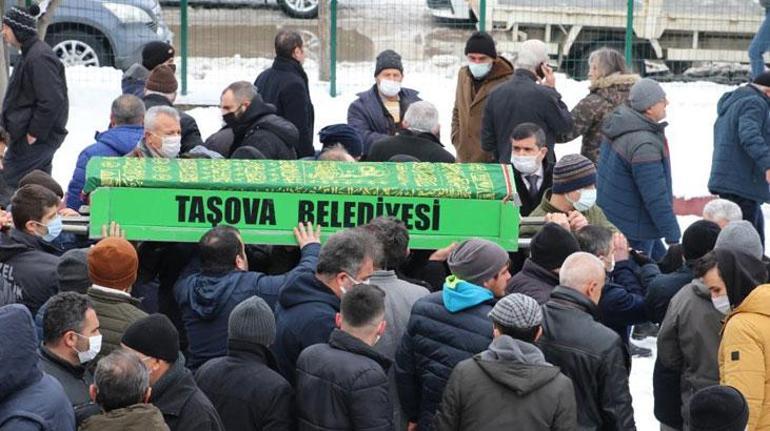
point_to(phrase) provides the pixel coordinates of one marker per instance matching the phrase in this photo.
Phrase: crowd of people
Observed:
(356, 331)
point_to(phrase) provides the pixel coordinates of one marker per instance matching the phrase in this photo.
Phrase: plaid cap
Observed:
(517, 311)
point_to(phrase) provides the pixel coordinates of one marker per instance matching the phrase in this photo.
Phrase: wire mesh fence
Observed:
(233, 39)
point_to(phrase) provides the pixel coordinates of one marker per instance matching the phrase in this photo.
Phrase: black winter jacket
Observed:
(593, 356)
(522, 100)
(509, 386)
(36, 100)
(27, 270)
(424, 146)
(191, 136)
(304, 316)
(533, 280)
(285, 85)
(343, 385)
(660, 288)
(74, 379)
(184, 406)
(261, 128)
(246, 389)
(436, 340)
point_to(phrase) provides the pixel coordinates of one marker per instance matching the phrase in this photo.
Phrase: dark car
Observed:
(295, 8)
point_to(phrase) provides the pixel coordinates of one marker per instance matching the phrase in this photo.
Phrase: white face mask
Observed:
(479, 70)
(170, 146)
(525, 164)
(721, 303)
(586, 201)
(94, 347)
(389, 88)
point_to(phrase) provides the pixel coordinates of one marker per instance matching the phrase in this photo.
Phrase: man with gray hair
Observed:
(126, 130)
(587, 352)
(529, 97)
(162, 134)
(722, 212)
(122, 389)
(310, 299)
(252, 122)
(419, 137)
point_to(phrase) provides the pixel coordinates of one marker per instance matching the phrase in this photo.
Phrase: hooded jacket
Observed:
(634, 186)
(534, 281)
(28, 269)
(605, 95)
(446, 328)
(522, 100)
(134, 80)
(115, 142)
(247, 390)
(468, 113)
(509, 386)
(138, 417)
(688, 342)
(30, 400)
(741, 154)
(368, 115)
(285, 86)
(191, 135)
(343, 385)
(304, 316)
(592, 356)
(206, 301)
(260, 127)
(184, 406)
(743, 358)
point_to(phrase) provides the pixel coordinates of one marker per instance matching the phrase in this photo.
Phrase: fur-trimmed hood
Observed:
(614, 80)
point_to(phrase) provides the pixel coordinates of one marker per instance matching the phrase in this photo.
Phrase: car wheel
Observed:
(300, 8)
(76, 48)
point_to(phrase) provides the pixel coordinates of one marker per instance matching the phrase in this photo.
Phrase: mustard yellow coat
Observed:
(744, 355)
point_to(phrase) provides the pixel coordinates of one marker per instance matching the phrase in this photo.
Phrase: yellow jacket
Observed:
(744, 355)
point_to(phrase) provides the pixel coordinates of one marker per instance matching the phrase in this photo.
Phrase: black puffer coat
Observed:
(343, 385)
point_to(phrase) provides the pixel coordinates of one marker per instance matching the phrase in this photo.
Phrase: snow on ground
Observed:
(692, 113)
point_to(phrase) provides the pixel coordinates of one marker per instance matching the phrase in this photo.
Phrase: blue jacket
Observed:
(368, 115)
(206, 301)
(29, 398)
(115, 142)
(634, 185)
(304, 316)
(445, 328)
(662, 287)
(741, 151)
(622, 302)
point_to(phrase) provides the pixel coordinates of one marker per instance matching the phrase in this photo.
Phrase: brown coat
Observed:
(468, 112)
(139, 417)
(606, 94)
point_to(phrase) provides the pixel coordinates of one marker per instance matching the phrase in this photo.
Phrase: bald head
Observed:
(585, 273)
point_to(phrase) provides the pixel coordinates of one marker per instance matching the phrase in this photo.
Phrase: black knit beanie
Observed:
(718, 408)
(156, 53)
(388, 59)
(699, 239)
(481, 43)
(552, 246)
(22, 21)
(763, 79)
(154, 336)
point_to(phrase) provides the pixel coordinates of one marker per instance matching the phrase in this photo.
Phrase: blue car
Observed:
(105, 32)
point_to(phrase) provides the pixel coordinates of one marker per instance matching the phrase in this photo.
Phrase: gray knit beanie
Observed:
(388, 59)
(477, 260)
(741, 235)
(252, 321)
(645, 93)
(72, 271)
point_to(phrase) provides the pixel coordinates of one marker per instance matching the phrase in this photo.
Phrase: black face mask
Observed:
(230, 119)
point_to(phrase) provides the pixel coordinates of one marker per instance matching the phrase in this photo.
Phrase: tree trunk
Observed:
(42, 23)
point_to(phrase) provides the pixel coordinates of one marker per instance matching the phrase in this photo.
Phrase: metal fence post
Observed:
(333, 50)
(183, 42)
(629, 33)
(483, 13)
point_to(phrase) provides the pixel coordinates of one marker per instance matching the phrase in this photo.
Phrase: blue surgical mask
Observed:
(54, 228)
(479, 70)
(586, 201)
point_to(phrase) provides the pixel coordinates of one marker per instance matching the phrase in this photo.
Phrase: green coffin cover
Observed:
(428, 180)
